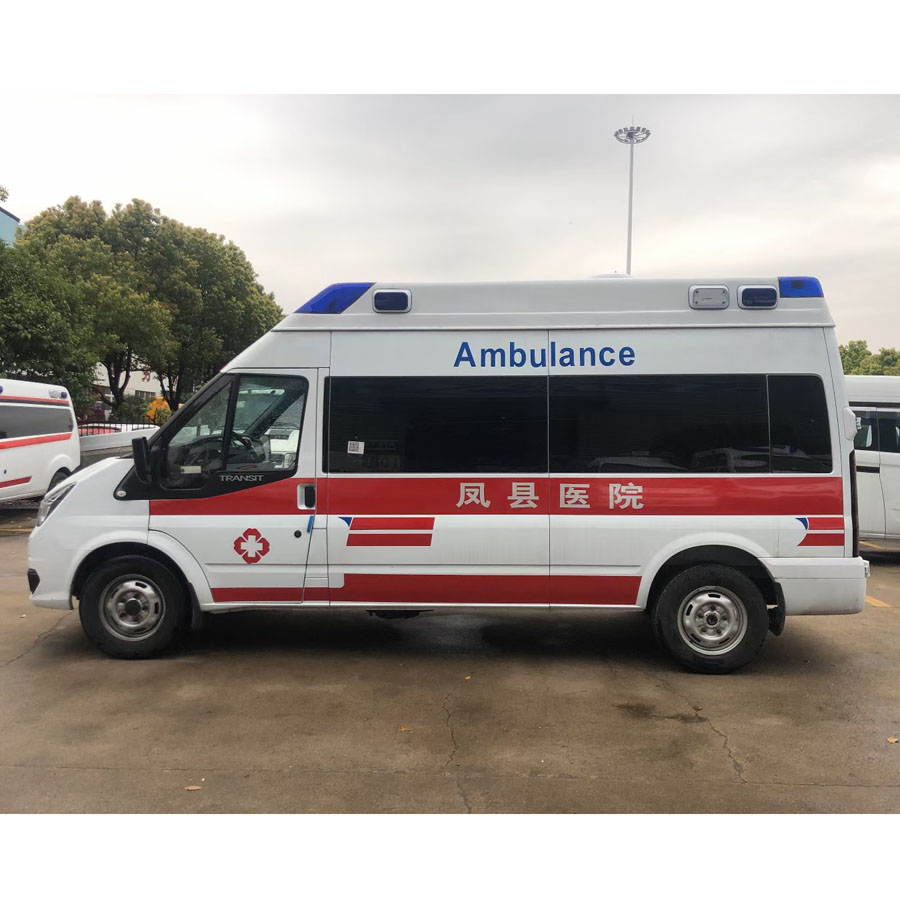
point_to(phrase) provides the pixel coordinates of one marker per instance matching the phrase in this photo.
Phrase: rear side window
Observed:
(32, 421)
(889, 430)
(799, 428)
(867, 433)
(647, 423)
(472, 424)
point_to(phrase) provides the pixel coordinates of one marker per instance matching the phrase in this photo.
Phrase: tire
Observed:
(131, 607)
(711, 618)
(58, 476)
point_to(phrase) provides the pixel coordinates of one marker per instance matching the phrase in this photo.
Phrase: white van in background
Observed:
(680, 447)
(876, 401)
(38, 438)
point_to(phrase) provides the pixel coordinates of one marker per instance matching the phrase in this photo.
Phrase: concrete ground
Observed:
(520, 712)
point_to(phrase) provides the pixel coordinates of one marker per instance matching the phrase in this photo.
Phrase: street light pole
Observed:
(631, 135)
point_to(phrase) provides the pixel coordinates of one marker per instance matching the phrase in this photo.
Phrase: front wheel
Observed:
(58, 476)
(712, 618)
(131, 607)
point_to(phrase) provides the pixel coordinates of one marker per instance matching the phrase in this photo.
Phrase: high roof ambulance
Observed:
(38, 439)
(681, 447)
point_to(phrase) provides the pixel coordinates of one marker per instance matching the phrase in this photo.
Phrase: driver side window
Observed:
(196, 450)
(252, 424)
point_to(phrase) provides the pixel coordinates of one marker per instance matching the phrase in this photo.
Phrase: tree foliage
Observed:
(43, 336)
(4, 194)
(136, 289)
(858, 359)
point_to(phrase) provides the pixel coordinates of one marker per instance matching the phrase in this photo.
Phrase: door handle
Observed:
(309, 496)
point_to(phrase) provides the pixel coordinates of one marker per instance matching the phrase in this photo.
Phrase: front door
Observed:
(236, 485)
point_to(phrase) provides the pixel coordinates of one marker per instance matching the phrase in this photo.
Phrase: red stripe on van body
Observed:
(600, 590)
(34, 400)
(374, 539)
(14, 482)
(425, 589)
(278, 498)
(742, 495)
(257, 595)
(823, 539)
(387, 523)
(597, 590)
(826, 523)
(9, 443)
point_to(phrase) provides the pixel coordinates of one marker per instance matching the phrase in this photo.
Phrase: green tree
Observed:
(207, 285)
(4, 194)
(42, 335)
(858, 359)
(127, 327)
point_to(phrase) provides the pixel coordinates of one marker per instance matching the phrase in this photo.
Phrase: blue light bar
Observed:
(800, 287)
(335, 298)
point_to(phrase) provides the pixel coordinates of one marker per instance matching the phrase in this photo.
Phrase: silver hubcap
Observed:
(712, 621)
(132, 607)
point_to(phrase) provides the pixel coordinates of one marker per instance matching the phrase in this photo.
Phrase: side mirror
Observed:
(141, 453)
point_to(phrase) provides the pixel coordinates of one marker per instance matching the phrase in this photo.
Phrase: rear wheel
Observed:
(131, 607)
(712, 618)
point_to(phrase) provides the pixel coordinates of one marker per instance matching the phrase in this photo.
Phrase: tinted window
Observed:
(647, 423)
(473, 424)
(800, 435)
(26, 421)
(889, 430)
(867, 432)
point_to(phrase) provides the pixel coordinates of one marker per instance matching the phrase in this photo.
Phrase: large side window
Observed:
(252, 423)
(437, 424)
(799, 427)
(17, 420)
(648, 423)
(889, 430)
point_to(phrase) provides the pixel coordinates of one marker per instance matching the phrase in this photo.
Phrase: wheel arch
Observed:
(741, 558)
(106, 552)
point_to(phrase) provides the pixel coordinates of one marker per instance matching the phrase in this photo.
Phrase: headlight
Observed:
(50, 502)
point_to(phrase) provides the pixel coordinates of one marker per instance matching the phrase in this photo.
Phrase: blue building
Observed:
(8, 225)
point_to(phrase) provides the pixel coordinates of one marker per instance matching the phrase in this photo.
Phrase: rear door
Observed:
(870, 497)
(237, 484)
(889, 456)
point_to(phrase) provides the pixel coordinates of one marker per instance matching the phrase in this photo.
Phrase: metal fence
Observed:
(86, 429)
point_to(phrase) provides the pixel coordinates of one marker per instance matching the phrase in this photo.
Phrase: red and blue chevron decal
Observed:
(389, 531)
(822, 531)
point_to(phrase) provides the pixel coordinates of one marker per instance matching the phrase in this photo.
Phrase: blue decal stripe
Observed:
(335, 298)
(803, 521)
(347, 519)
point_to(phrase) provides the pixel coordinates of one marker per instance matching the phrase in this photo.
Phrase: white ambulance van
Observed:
(38, 438)
(875, 400)
(681, 447)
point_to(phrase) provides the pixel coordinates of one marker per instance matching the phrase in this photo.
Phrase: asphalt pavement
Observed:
(320, 711)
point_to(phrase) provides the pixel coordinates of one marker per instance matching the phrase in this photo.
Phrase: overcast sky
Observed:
(435, 188)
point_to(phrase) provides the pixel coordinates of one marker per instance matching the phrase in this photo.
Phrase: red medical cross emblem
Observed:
(251, 546)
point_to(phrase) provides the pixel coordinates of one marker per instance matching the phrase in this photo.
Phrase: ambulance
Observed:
(676, 447)
(38, 439)
(875, 399)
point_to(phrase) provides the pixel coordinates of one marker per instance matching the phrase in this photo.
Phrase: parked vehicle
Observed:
(38, 439)
(876, 402)
(678, 447)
